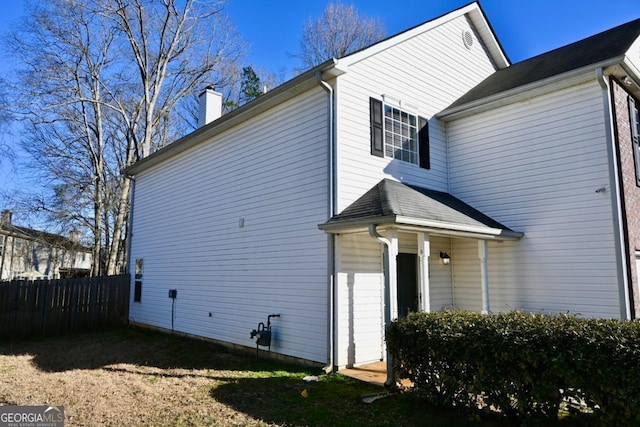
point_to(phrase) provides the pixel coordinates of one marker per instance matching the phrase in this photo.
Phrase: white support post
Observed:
(393, 276)
(390, 289)
(483, 254)
(424, 250)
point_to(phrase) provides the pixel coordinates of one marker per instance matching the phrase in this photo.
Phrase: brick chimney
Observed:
(210, 106)
(5, 219)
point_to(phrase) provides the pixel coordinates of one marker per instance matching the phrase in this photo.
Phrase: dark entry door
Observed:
(407, 283)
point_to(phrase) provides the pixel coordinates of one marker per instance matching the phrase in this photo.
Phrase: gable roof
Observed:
(473, 11)
(305, 81)
(392, 202)
(285, 91)
(601, 50)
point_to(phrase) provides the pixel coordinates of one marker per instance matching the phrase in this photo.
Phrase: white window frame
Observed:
(400, 130)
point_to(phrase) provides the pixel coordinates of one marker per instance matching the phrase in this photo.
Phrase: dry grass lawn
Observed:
(132, 377)
(119, 379)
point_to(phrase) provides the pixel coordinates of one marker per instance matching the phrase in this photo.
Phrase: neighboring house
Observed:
(422, 173)
(31, 254)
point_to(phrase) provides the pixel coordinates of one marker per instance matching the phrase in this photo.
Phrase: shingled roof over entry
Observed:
(392, 202)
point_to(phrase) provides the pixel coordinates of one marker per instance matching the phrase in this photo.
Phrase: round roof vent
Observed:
(467, 39)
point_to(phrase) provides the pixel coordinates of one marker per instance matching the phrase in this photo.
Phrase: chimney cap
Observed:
(207, 89)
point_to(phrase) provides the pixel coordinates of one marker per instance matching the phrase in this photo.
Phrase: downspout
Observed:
(130, 223)
(616, 200)
(331, 238)
(390, 381)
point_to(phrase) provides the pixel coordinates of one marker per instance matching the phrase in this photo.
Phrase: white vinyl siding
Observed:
(360, 293)
(232, 225)
(423, 75)
(360, 299)
(535, 166)
(441, 291)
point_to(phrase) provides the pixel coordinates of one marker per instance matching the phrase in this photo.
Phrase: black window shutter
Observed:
(377, 140)
(423, 143)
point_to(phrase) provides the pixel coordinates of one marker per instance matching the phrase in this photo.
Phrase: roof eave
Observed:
(473, 10)
(298, 84)
(493, 45)
(355, 224)
(550, 84)
(416, 224)
(632, 71)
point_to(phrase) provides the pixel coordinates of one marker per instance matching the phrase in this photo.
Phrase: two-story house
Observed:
(29, 254)
(421, 173)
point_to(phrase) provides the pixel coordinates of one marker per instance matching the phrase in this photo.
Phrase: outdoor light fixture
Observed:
(445, 258)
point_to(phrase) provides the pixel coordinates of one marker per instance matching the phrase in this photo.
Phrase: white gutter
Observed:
(441, 228)
(280, 94)
(331, 238)
(388, 264)
(458, 227)
(518, 93)
(616, 199)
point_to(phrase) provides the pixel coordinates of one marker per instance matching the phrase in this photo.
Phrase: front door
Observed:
(407, 283)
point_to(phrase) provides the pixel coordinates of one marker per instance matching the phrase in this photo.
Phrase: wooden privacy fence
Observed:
(50, 307)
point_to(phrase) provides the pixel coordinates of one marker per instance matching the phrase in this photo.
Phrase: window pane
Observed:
(397, 141)
(388, 152)
(400, 135)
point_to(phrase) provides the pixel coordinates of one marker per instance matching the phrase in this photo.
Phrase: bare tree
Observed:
(5, 119)
(339, 31)
(104, 83)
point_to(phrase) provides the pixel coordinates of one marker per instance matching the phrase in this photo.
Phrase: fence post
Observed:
(43, 300)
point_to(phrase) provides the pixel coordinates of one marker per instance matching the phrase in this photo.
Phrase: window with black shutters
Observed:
(399, 134)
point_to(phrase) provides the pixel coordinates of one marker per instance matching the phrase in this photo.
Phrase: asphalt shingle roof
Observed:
(590, 51)
(390, 199)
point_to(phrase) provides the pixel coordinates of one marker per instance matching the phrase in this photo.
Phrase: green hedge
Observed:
(520, 364)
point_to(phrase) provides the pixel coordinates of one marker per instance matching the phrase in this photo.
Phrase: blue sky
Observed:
(525, 28)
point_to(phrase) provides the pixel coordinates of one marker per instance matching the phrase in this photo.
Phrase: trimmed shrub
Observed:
(523, 365)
